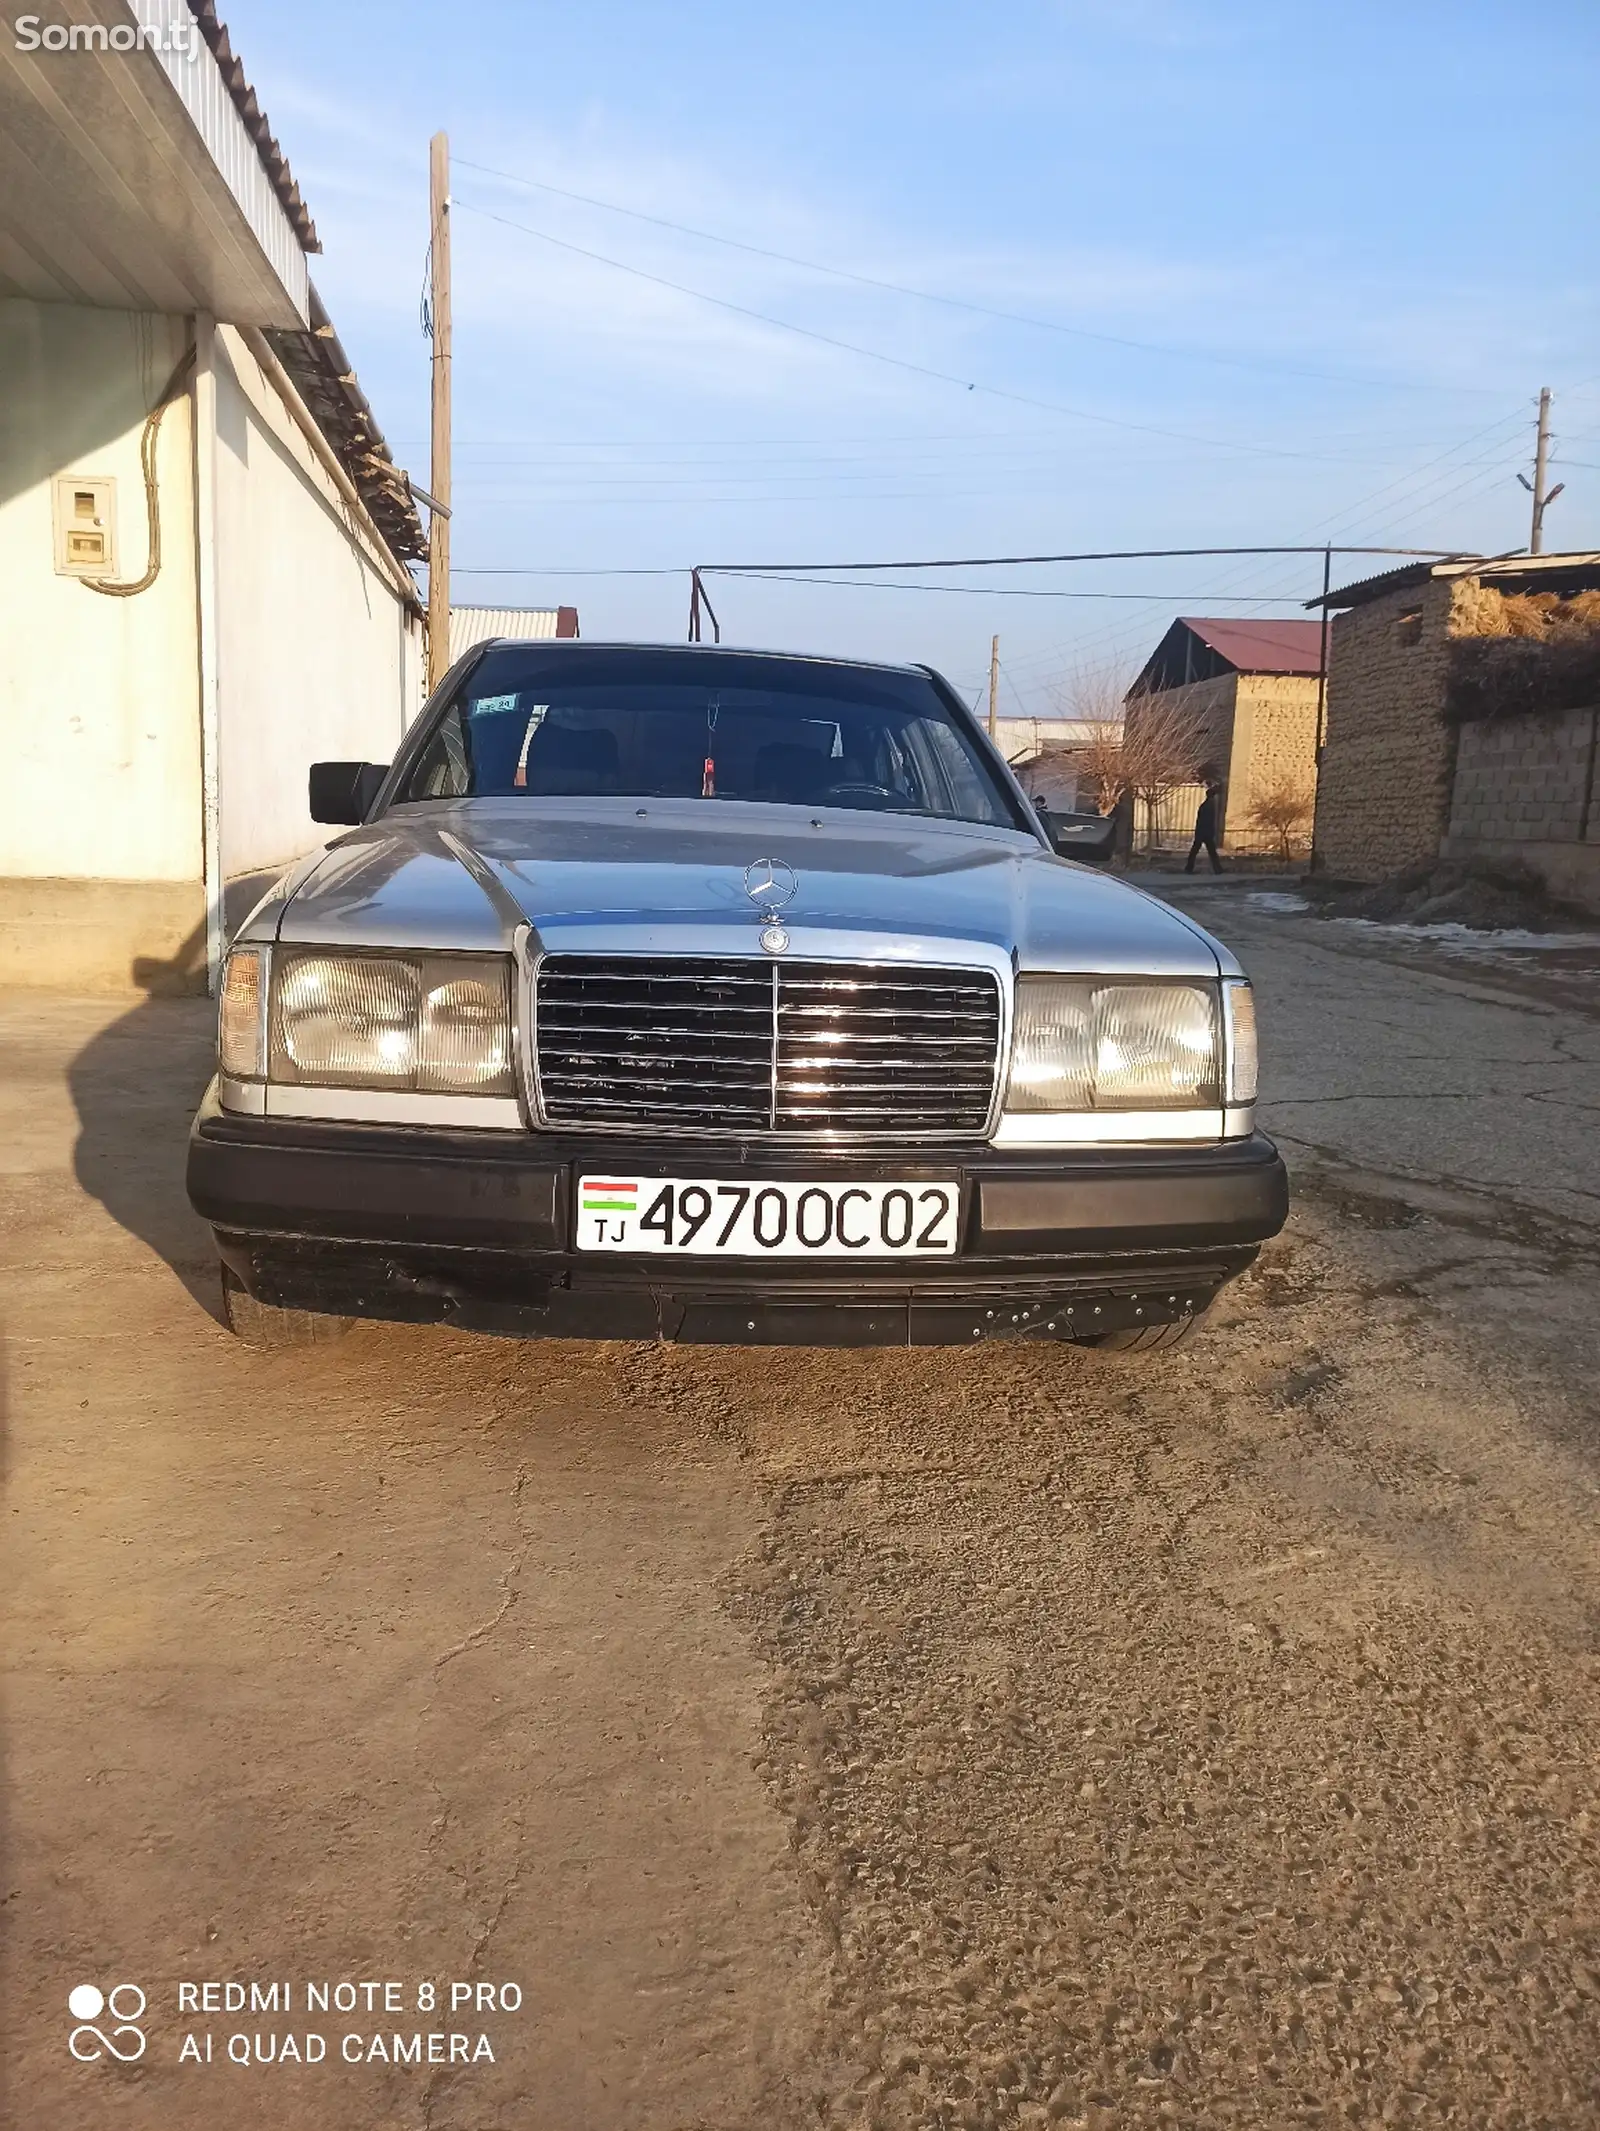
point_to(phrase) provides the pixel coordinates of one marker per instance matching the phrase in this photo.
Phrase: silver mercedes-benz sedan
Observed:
(680, 993)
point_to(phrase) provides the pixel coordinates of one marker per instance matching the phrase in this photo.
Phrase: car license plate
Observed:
(709, 1217)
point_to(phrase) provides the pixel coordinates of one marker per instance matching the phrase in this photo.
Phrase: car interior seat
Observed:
(784, 771)
(573, 759)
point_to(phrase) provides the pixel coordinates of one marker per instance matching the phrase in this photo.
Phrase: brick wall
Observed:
(1274, 742)
(1384, 792)
(1524, 779)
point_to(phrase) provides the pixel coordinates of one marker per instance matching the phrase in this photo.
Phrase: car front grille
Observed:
(798, 1050)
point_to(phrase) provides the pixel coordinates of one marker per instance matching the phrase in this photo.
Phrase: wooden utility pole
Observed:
(1541, 467)
(439, 475)
(994, 684)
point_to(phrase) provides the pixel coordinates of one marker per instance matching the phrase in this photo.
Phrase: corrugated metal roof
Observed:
(475, 625)
(321, 371)
(325, 380)
(1262, 647)
(273, 160)
(1572, 572)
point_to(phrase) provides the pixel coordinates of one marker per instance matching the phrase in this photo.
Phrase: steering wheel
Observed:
(862, 789)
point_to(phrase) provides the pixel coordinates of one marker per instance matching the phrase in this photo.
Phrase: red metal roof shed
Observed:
(1263, 647)
(1198, 648)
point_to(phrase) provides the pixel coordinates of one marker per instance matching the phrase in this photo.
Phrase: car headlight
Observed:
(439, 1024)
(1083, 1045)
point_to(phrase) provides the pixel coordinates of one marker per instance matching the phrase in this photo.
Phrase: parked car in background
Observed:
(713, 995)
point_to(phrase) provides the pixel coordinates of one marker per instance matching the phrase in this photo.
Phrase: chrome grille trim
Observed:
(726, 1046)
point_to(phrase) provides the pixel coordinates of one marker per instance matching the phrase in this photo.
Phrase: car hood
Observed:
(669, 876)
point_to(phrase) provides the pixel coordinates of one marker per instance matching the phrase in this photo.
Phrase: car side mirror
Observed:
(343, 792)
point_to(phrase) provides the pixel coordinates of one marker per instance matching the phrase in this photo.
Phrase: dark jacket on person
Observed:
(1205, 821)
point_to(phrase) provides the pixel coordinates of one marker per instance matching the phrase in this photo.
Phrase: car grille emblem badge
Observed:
(770, 884)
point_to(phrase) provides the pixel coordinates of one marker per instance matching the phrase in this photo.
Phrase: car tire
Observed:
(263, 1324)
(1144, 1338)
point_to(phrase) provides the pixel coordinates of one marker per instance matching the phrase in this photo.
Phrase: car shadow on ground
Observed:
(135, 1085)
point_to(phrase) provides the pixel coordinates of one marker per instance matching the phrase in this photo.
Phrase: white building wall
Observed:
(315, 649)
(317, 655)
(98, 696)
(1017, 738)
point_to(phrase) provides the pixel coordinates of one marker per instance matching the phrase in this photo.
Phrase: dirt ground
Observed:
(841, 1740)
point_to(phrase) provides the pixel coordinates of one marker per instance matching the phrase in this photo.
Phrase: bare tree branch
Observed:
(1282, 812)
(1166, 745)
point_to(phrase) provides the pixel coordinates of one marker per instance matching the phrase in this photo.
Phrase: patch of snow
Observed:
(1279, 901)
(1453, 934)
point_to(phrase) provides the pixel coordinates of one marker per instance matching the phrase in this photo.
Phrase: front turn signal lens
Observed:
(241, 1016)
(1239, 1008)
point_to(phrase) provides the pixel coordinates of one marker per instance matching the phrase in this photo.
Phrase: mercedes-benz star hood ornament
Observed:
(771, 884)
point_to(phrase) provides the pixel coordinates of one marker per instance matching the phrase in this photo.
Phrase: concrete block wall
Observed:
(1525, 778)
(1383, 796)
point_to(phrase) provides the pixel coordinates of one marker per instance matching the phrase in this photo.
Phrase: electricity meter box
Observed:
(85, 526)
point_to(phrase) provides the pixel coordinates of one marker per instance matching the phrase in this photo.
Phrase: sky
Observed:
(894, 282)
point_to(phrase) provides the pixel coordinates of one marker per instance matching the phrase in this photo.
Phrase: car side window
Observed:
(970, 797)
(445, 769)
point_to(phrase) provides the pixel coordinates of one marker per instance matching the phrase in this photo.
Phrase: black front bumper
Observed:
(442, 1227)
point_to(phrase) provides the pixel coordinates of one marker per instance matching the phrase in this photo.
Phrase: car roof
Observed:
(573, 647)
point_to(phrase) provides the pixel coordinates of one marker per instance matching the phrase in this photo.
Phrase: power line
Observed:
(1018, 453)
(1109, 642)
(876, 355)
(530, 569)
(967, 439)
(1010, 562)
(883, 584)
(807, 572)
(962, 303)
(698, 597)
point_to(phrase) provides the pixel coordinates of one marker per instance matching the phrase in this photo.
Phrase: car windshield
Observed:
(682, 725)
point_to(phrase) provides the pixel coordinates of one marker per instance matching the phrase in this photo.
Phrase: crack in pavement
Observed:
(440, 2081)
(509, 1584)
(1565, 1241)
(1406, 1095)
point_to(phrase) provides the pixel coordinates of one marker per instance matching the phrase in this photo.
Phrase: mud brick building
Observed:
(1249, 690)
(1438, 747)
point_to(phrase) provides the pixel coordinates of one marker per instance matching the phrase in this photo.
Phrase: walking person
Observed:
(1205, 828)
